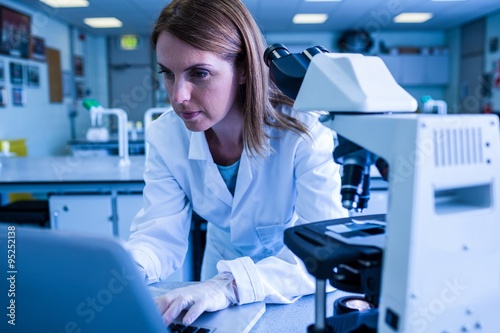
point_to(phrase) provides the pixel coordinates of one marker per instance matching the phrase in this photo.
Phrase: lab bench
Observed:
(294, 317)
(92, 195)
(86, 194)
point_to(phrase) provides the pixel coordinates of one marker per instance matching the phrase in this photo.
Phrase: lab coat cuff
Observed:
(146, 259)
(246, 275)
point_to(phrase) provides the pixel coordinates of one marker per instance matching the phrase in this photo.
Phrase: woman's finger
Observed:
(194, 312)
(175, 307)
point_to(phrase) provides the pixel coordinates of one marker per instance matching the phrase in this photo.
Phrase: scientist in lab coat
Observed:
(234, 151)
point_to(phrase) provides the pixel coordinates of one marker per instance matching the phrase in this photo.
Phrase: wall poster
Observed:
(2, 72)
(78, 62)
(16, 73)
(3, 97)
(15, 30)
(33, 76)
(18, 97)
(38, 48)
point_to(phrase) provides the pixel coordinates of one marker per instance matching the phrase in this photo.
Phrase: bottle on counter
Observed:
(132, 131)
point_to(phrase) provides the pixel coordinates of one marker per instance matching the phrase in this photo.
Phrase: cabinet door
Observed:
(128, 205)
(417, 70)
(437, 69)
(89, 214)
(413, 70)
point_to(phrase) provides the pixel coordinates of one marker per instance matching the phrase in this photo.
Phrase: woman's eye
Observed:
(166, 73)
(199, 74)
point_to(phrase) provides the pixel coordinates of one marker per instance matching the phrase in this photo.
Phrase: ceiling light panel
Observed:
(310, 18)
(103, 22)
(412, 17)
(66, 3)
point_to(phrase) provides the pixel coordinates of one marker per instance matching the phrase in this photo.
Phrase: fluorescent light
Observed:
(103, 22)
(412, 17)
(309, 18)
(66, 3)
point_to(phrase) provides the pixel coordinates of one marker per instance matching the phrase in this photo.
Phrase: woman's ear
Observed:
(242, 74)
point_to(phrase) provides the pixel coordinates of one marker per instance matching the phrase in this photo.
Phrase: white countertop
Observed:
(69, 169)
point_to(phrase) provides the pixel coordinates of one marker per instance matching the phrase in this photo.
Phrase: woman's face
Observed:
(202, 86)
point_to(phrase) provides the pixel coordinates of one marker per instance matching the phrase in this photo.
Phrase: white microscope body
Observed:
(441, 266)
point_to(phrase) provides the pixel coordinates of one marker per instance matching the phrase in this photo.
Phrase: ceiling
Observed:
(275, 16)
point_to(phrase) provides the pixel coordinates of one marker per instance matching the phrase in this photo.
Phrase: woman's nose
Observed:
(181, 92)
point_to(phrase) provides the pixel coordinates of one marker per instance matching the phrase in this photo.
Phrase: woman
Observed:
(235, 152)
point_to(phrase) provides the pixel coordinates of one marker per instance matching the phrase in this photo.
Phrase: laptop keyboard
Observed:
(179, 328)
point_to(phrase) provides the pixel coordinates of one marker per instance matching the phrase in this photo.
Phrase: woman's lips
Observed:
(189, 115)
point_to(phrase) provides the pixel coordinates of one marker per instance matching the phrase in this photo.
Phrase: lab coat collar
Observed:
(198, 150)
(198, 147)
(245, 177)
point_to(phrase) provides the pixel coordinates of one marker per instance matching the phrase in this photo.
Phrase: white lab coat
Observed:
(296, 182)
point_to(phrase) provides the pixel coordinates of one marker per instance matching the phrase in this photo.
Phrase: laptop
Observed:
(60, 282)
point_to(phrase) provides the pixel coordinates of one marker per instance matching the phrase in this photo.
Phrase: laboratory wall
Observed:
(492, 60)
(27, 112)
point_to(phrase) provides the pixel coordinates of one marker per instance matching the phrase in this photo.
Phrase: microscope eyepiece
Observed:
(286, 69)
(312, 51)
(274, 52)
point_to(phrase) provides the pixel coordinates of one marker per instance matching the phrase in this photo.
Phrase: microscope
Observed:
(432, 262)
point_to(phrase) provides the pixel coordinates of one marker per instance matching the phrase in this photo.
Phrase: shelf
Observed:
(416, 69)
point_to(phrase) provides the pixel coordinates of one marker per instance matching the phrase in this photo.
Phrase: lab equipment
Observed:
(431, 264)
(96, 110)
(346, 92)
(430, 105)
(132, 130)
(97, 132)
(6, 149)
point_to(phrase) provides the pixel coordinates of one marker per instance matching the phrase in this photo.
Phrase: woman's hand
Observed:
(215, 294)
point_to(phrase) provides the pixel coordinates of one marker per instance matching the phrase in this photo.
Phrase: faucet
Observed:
(148, 119)
(434, 106)
(96, 110)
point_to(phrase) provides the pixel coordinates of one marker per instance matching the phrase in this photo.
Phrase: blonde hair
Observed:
(226, 28)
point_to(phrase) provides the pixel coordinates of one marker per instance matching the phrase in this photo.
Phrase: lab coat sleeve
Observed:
(276, 279)
(283, 278)
(159, 238)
